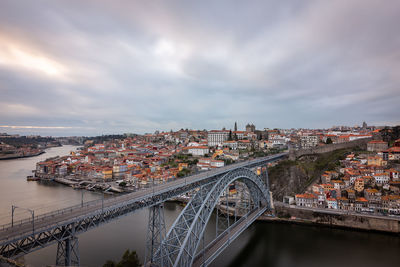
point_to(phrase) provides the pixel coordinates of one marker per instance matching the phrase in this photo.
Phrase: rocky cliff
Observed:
(291, 177)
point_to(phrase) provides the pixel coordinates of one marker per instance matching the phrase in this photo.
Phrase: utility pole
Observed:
(13, 208)
(82, 199)
(102, 202)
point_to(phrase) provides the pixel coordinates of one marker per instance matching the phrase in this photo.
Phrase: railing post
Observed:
(102, 202)
(12, 215)
(33, 222)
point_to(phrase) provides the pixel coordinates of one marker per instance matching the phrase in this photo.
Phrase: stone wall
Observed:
(294, 154)
(339, 220)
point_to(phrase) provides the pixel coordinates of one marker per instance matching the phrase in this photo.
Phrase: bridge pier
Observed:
(265, 178)
(68, 252)
(178, 247)
(68, 249)
(155, 232)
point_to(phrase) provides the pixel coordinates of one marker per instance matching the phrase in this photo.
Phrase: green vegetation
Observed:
(390, 134)
(281, 167)
(101, 139)
(184, 158)
(21, 141)
(228, 161)
(292, 177)
(183, 172)
(129, 259)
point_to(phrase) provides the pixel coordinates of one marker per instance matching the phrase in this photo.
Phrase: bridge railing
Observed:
(179, 182)
(51, 214)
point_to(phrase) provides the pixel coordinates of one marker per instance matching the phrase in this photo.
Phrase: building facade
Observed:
(217, 137)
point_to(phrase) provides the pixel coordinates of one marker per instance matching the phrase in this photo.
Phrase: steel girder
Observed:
(13, 245)
(56, 233)
(155, 231)
(180, 245)
(242, 224)
(68, 252)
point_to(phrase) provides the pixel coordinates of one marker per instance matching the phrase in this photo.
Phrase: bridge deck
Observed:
(213, 249)
(43, 223)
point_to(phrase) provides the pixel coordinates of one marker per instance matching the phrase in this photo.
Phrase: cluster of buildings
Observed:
(364, 182)
(132, 159)
(160, 156)
(16, 146)
(151, 158)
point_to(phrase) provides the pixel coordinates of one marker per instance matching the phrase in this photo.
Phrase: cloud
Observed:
(133, 66)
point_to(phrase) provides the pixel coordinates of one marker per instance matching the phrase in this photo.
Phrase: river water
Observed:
(262, 244)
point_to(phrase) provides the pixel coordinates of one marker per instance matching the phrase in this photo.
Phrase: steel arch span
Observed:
(180, 245)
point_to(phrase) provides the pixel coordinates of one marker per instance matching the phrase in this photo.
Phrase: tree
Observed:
(230, 136)
(328, 141)
(110, 263)
(235, 129)
(129, 259)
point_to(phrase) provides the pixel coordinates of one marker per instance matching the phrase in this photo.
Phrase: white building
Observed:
(208, 163)
(308, 141)
(197, 150)
(381, 178)
(231, 144)
(217, 137)
(332, 203)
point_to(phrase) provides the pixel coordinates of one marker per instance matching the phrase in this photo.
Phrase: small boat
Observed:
(31, 178)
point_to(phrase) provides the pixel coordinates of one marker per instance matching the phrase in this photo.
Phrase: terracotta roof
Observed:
(306, 195)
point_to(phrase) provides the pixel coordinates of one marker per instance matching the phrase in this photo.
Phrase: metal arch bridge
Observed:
(179, 247)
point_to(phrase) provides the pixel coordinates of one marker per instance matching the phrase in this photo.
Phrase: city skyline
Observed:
(96, 67)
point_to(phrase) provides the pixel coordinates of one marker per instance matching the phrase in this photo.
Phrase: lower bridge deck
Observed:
(213, 249)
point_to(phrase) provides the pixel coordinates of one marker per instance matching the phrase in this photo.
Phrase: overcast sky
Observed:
(97, 67)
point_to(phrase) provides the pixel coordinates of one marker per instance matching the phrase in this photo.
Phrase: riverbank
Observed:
(359, 222)
(326, 218)
(20, 155)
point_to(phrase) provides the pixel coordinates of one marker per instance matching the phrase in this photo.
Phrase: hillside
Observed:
(290, 177)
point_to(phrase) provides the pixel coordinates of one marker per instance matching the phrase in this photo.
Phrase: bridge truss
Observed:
(64, 225)
(182, 241)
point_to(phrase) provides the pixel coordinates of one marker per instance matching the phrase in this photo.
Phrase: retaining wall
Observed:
(293, 154)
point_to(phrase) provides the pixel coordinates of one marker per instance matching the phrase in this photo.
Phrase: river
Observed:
(262, 244)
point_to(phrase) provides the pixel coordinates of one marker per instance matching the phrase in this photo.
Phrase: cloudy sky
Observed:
(97, 67)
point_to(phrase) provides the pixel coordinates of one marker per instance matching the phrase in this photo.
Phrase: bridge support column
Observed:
(68, 252)
(265, 178)
(68, 249)
(155, 232)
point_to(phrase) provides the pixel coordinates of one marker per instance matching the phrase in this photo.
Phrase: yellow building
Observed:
(377, 161)
(182, 166)
(359, 184)
(107, 174)
(218, 152)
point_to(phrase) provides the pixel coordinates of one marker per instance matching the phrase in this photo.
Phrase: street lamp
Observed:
(83, 191)
(13, 208)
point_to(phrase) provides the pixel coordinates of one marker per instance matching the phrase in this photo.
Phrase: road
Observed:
(339, 212)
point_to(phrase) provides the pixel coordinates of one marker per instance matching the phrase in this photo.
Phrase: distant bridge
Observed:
(180, 246)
